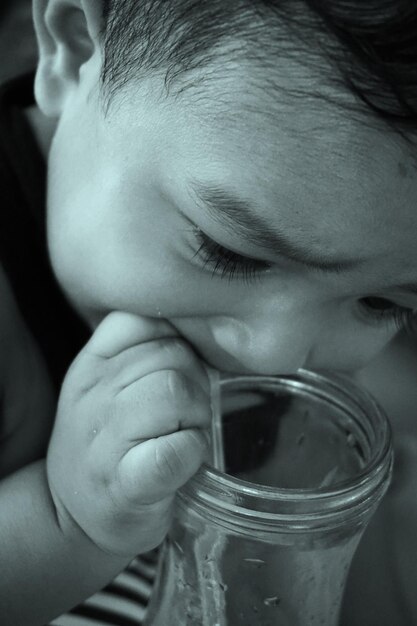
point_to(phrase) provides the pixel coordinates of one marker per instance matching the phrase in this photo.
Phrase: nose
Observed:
(268, 345)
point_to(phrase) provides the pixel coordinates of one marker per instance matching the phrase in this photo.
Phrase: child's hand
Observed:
(129, 431)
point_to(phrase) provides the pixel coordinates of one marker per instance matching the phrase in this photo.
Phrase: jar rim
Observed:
(227, 492)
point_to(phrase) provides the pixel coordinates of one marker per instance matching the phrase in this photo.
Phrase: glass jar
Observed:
(269, 541)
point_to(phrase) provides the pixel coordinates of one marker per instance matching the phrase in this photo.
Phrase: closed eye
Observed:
(382, 310)
(225, 263)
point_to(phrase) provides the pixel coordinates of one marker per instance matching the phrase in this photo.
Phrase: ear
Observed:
(67, 33)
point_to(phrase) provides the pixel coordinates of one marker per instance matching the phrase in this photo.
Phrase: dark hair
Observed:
(370, 47)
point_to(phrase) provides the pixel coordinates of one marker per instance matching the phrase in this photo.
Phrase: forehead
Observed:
(297, 148)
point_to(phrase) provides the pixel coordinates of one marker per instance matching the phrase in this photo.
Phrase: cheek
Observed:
(106, 259)
(349, 349)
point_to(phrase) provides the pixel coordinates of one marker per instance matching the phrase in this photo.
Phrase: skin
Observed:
(121, 216)
(129, 425)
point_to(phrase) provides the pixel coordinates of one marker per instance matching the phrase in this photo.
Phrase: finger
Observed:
(158, 467)
(169, 402)
(119, 331)
(135, 363)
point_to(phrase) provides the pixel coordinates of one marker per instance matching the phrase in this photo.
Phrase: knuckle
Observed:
(79, 380)
(179, 386)
(77, 367)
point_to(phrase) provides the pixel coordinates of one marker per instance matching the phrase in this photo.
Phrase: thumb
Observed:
(156, 468)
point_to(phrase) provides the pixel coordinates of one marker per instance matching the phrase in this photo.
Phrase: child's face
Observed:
(124, 219)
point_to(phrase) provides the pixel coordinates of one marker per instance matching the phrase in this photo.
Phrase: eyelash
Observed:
(401, 317)
(228, 264)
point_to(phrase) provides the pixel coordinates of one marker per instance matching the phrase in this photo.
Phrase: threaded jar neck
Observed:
(232, 501)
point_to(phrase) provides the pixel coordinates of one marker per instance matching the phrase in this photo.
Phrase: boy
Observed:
(205, 206)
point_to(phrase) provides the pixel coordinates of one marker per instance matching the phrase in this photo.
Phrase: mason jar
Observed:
(268, 540)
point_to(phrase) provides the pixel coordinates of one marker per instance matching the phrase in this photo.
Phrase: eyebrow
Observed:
(242, 218)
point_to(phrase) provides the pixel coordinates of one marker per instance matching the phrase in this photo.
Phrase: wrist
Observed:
(73, 532)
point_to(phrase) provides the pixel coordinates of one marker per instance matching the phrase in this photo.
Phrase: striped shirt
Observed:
(122, 602)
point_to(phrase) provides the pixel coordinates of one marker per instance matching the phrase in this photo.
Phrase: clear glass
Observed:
(269, 541)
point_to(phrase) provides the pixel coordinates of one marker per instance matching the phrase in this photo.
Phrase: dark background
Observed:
(17, 42)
